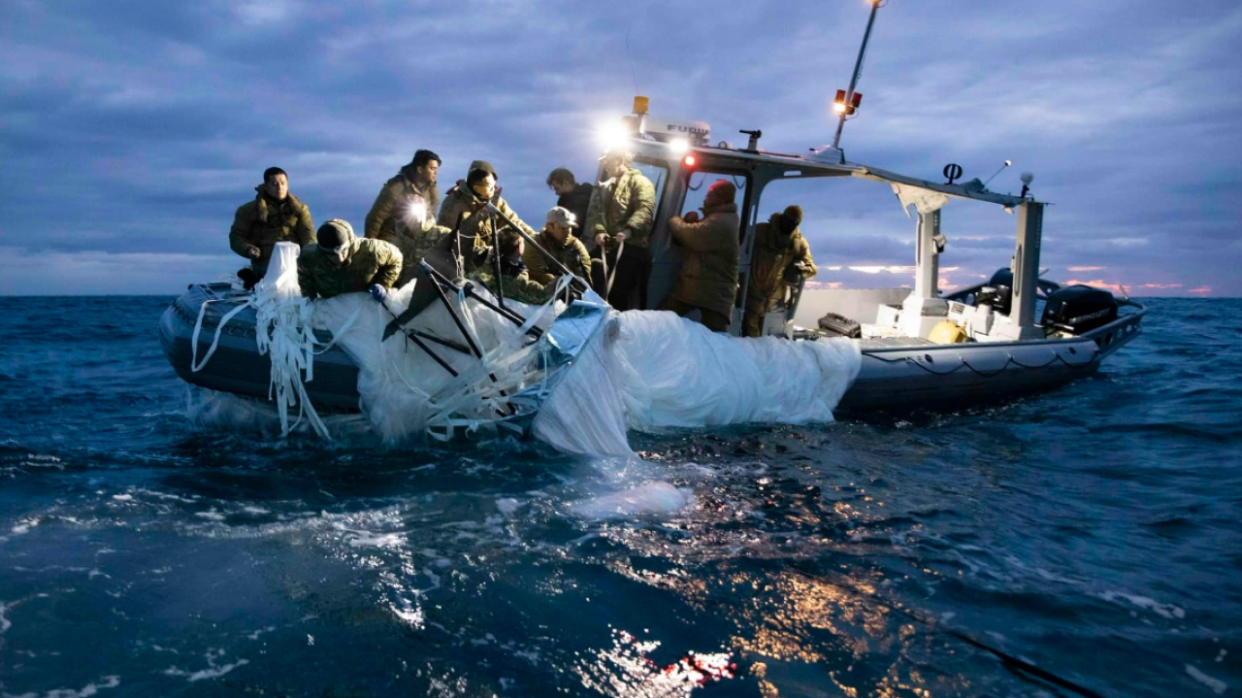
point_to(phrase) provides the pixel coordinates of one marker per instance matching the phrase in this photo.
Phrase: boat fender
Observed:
(947, 332)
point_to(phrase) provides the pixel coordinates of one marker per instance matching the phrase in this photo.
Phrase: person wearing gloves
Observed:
(782, 257)
(274, 216)
(465, 206)
(707, 281)
(414, 186)
(620, 218)
(557, 237)
(571, 195)
(344, 263)
(515, 280)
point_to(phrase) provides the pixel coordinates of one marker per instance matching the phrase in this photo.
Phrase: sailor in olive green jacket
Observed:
(515, 279)
(343, 263)
(414, 186)
(781, 255)
(274, 216)
(707, 280)
(557, 238)
(621, 206)
(467, 201)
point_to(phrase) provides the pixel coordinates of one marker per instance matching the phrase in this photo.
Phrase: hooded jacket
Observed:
(624, 203)
(369, 262)
(386, 217)
(572, 253)
(775, 252)
(263, 222)
(708, 277)
(462, 201)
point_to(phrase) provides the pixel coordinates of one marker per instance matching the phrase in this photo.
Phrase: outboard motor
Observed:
(1078, 309)
(1000, 296)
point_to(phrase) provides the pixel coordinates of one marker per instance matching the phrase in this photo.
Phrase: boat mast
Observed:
(849, 96)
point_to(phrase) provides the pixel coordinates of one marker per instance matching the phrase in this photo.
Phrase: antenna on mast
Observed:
(848, 100)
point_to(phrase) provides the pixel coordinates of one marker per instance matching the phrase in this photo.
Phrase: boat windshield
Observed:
(657, 172)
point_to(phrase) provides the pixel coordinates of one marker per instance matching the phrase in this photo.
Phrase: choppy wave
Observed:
(1093, 532)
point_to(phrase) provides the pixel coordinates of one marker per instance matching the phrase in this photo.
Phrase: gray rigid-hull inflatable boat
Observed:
(897, 373)
(1016, 335)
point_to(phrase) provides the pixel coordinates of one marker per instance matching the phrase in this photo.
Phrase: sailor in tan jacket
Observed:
(707, 281)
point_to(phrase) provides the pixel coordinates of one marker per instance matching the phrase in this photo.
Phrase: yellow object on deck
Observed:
(947, 332)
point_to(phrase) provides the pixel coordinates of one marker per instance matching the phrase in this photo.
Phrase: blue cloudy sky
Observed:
(130, 131)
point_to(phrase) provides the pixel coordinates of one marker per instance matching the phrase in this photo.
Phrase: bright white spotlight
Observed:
(679, 146)
(612, 135)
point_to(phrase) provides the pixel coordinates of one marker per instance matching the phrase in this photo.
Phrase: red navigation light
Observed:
(690, 160)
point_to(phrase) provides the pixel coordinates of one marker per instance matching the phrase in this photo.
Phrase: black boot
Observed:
(248, 278)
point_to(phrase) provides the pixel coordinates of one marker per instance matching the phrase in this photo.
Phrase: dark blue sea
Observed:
(1084, 542)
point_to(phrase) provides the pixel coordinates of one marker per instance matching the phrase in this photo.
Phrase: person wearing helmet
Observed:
(413, 187)
(707, 281)
(557, 238)
(464, 209)
(782, 258)
(343, 263)
(619, 219)
(274, 216)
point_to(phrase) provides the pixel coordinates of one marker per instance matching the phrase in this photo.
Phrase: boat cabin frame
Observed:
(753, 170)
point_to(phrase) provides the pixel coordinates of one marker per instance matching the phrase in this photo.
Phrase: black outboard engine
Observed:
(1078, 309)
(998, 292)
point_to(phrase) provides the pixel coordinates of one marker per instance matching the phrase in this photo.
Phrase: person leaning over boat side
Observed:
(621, 210)
(413, 186)
(345, 263)
(571, 195)
(274, 216)
(557, 237)
(781, 255)
(707, 281)
(515, 280)
(464, 206)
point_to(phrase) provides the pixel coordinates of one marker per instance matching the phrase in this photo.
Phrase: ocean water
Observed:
(1084, 542)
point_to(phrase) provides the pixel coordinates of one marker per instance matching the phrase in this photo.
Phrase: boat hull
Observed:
(237, 367)
(895, 375)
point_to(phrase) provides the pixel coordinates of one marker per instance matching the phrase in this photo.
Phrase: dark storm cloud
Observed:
(131, 131)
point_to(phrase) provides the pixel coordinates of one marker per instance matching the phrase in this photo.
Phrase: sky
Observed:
(130, 132)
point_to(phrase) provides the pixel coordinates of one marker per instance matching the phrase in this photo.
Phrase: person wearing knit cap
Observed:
(414, 186)
(619, 218)
(557, 238)
(781, 258)
(465, 209)
(274, 216)
(707, 281)
(342, 262)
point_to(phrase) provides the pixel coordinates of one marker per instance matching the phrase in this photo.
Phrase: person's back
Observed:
(275, 215)
(707, 281)
(780, 253)
(344, 263)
